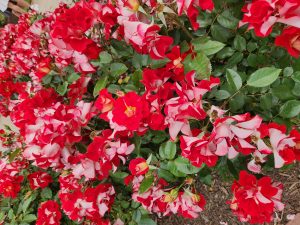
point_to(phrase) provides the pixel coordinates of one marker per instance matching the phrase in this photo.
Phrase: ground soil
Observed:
(217, 211)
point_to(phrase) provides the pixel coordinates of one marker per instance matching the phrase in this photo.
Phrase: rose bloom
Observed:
(130, 110)
(49, 213)
(138, 166)
(39, 180)
(254, 201)
(290, 39)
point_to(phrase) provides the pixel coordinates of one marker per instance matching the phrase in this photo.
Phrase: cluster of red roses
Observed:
(51, 125)
(262, 15)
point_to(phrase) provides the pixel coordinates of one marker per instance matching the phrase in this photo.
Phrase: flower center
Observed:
(132, 4)
(296, 43)
(141, 167)
(130, 111)
(177, 62)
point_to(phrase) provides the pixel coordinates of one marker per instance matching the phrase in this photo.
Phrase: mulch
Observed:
(217, 212)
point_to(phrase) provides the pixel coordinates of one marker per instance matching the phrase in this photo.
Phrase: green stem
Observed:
(137, 143)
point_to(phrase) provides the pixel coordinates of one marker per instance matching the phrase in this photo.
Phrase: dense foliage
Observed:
(122, 107)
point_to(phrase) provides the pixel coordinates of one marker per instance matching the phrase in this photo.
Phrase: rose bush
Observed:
(123, 107)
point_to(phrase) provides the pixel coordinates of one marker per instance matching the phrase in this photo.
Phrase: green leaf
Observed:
(46, 193)
(118, 176)
(234, 79)
(225, 53)
(184, 166)
(136, 215)
(290, 109)
(207, 46)
(205, 175)
(105, 57)
(62, 89)
(200, 64)
(26, 204)
(101, 83)
(14, 154)
(232, 169)
(234, 59)
(288, 71)
(117, 69)
(283, 92)
(138, 61)
(239, 43)
(237, 102)
(121, 48)
(165, 174)
(158, 63)
(226, 19)
(296, 76)
(47, 79)
(296, 90)
(251, 46)
(137, 76)
(167, 150)
(266, 101)
(172, 167)
(146, 184)
(147, 221)
(29, 218)
(220, 33)
(263, 77)
(73, 77)
(222, 94)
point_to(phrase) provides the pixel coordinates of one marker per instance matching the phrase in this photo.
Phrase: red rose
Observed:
(130, 110)
(10, 185)
(290, 39)
(105, 101)
(49, 213)
(157, 121)
(39, 180)
(254, 201)
(138, 166)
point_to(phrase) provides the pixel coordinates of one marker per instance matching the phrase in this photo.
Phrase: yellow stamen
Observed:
(130, 111)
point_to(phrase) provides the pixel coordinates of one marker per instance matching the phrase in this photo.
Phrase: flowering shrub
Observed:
(123, 107)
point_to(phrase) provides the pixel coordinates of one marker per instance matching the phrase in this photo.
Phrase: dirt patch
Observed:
(217, 212)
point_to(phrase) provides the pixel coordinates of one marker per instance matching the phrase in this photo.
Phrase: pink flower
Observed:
(103, 155)
(191, 204)
(163, 201)
(279, 142)
(232, 134)
(188, 104)
(92, 204)
(145, 39)
(198, 149)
